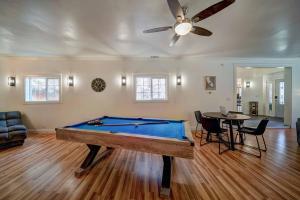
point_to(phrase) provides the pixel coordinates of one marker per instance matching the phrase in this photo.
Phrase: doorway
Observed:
(264, 92)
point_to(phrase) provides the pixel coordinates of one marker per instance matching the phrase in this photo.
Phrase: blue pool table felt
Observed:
(170, 129)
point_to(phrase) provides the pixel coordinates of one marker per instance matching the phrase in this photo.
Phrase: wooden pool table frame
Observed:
(167, 147)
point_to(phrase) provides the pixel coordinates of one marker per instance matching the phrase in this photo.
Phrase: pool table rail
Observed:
(157, 145)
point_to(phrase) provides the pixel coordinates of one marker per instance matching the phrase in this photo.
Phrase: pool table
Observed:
(169, 138)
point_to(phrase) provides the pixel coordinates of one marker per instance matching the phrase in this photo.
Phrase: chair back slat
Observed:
(211, 125)
(262, 126)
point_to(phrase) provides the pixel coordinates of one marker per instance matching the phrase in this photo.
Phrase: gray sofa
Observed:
(12, 131)
(298, 130)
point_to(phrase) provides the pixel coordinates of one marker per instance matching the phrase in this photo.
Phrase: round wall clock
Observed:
(98, 85)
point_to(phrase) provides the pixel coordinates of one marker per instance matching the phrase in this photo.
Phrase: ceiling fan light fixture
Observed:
(184, 25)
(183, 28)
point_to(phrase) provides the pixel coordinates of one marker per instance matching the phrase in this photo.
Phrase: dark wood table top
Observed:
(232, 116)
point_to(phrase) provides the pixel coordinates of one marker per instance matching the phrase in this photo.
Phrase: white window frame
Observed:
(48, 76)
(165, 76)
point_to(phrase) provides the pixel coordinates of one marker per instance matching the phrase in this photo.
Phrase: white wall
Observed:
(81, 103)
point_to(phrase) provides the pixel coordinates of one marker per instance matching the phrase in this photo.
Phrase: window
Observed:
(281, 93)
(239, 95)
(151, 88)
(270, 93)
(42, 89)
(270, 96)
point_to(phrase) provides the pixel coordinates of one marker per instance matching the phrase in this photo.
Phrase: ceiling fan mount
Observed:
(185, 25)
(185, 10)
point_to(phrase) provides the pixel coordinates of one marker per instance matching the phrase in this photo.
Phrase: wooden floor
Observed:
(44, 169)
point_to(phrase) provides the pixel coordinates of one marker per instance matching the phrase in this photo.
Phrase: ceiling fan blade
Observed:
(176, 8)
(174, 40)
(159, 29)
(201, 31)
(212, 10)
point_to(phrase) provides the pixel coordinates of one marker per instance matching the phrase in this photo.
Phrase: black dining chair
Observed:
(198, 116)
(212, 125)
(260, 130)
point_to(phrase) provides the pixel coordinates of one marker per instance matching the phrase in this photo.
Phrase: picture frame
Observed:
(210, 83)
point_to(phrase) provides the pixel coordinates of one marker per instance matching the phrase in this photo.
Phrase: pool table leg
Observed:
(166, 177)
(90, 161)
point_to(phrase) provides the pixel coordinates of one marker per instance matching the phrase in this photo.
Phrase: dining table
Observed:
(230, 117)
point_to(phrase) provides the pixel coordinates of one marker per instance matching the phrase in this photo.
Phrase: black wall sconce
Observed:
(248, 84)
(123, 80)
(178, 80)
(12, 81)
(71, 81)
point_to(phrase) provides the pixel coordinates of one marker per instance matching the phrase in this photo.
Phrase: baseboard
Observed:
(43, 131)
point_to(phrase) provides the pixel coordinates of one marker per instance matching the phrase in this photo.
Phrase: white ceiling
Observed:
(248, 28)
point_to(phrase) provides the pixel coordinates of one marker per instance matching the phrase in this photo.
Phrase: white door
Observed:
(279, 98)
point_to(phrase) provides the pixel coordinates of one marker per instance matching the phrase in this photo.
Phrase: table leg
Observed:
(90, 161)
(240, 134)
(166, 177)
(231, 136)
(208, 137)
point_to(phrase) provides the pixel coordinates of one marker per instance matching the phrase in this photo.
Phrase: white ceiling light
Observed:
(183, 28)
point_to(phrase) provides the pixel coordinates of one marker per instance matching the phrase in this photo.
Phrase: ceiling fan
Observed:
(185, 25)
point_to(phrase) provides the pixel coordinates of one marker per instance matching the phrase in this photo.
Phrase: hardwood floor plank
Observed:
(43, 169)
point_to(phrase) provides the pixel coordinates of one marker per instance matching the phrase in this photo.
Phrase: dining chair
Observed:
(212, 125)
(198, 116)
(260, 130)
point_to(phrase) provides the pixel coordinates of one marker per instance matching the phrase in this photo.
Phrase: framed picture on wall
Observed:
(210, 82)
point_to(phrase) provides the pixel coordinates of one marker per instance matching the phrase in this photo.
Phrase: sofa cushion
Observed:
(13, 118)
(17, 135)
(17, 128)
(2, 119)
(3, 129)
(3, 137)
(13, 115)
(2, 123)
